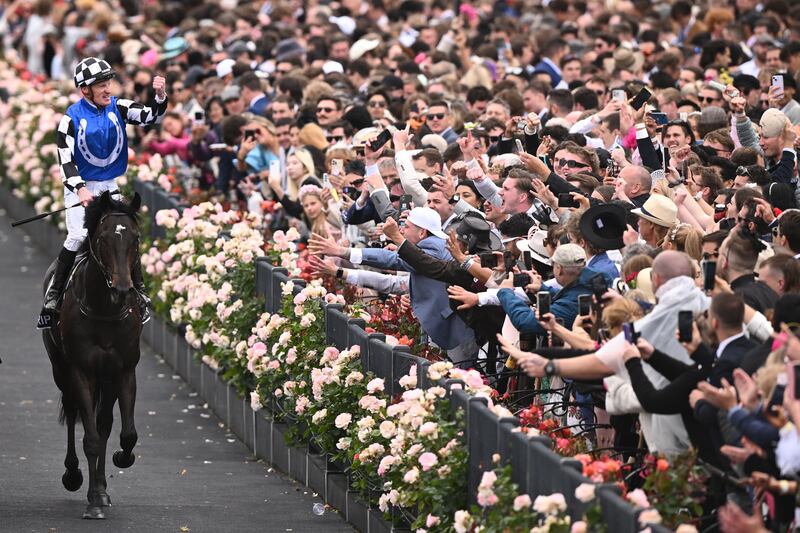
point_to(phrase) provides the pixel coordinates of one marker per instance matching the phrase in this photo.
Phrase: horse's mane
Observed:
(102, 205)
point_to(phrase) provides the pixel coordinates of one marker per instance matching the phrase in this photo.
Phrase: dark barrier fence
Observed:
(536, 468)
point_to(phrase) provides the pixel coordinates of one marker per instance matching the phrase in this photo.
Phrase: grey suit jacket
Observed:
(429, 298)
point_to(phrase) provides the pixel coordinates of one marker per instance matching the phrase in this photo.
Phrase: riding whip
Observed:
(16, 223)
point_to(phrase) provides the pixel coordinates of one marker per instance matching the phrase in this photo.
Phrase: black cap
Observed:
(602, 225)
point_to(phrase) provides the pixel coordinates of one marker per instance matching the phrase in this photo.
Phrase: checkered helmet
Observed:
(92, 70)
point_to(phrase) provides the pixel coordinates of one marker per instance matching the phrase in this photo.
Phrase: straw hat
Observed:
(659, 210)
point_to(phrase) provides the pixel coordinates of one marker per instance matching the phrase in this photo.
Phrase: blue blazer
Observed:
(547, 67)
(259, 107)
(429, 298)
(564, 304)
(355, 216)
(603, 264)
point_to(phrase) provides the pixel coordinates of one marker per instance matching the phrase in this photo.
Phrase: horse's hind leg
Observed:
(105, 419)
(72, 478)
(127, 439)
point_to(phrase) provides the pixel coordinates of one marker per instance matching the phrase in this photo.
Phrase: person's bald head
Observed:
(670, 264)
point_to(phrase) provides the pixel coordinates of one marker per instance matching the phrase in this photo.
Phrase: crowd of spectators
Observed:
(550, 184)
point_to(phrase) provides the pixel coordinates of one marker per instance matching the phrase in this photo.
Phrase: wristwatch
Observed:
(455, 198)
(550, 369)
(339, 273)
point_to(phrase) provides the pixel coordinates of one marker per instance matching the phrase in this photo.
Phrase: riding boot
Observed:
(138, 285)
(49, 314)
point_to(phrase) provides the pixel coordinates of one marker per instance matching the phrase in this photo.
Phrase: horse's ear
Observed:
(105, 200)
(136, 203)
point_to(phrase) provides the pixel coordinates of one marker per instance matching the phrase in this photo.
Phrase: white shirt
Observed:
(724, 344)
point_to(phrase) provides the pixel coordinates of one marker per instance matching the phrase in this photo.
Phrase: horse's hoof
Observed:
(72, 479)
(94, 512)
(105, 499)
(123, 461)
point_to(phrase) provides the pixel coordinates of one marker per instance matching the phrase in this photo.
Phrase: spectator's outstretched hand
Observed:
(531, 363)
(720, 397)
(319, 245)
(454, 248)
(321, 267)
(467, 299)
(401, 138)
(733, 520)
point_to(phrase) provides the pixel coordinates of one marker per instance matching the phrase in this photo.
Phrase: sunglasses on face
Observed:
(570, 164)
(709, 256)
(494, 138)
(376, 103)
(325, 110)
(600, 92)
(707, 99)
(436, 116)
(335, 138)
(357, 183)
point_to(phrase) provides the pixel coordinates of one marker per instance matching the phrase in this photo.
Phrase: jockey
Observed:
(92, 153)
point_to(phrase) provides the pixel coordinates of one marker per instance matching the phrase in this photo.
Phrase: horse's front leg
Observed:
(72, 478)
(127, 439)
(105, 419)
(85, 397)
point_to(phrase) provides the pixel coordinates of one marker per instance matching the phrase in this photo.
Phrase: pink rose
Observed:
(427, 460)
(521, 502)
(431, 520)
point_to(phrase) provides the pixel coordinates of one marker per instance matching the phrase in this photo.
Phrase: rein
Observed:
(84, 308)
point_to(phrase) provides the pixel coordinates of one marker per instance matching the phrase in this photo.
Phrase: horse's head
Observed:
(113, 231)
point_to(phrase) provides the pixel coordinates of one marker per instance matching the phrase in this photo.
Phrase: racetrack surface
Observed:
(191, 474)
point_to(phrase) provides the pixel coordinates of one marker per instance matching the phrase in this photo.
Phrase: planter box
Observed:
(208, 385)
(280, 451)
(221, 396)
(195, 367)
(158, 336)
(236, 412)
(181, 363)
(250, 427)
(298, 463)
(357, 511)
(336, 492)
(377, 524)
(263, 438)
(317, 467)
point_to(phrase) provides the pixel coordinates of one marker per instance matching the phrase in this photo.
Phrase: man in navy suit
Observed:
(552, 53)
(253, 94)
(429, 298)
(726, 316)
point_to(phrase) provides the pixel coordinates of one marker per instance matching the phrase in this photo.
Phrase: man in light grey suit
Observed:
(429, 298)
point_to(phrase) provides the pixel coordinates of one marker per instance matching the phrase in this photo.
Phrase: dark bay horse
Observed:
(94, 348)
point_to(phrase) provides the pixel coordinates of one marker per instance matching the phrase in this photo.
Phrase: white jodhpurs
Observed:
(76, 233)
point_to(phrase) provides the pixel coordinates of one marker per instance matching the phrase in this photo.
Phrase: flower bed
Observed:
(407, 450)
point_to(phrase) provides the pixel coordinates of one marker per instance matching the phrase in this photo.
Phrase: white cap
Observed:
(362, 46)
(332, 66)
(428, 219)
(225, 67)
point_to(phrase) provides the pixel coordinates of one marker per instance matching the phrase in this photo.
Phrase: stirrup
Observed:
(48, 318)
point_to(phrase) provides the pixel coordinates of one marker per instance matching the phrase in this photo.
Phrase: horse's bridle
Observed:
(100, 265)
